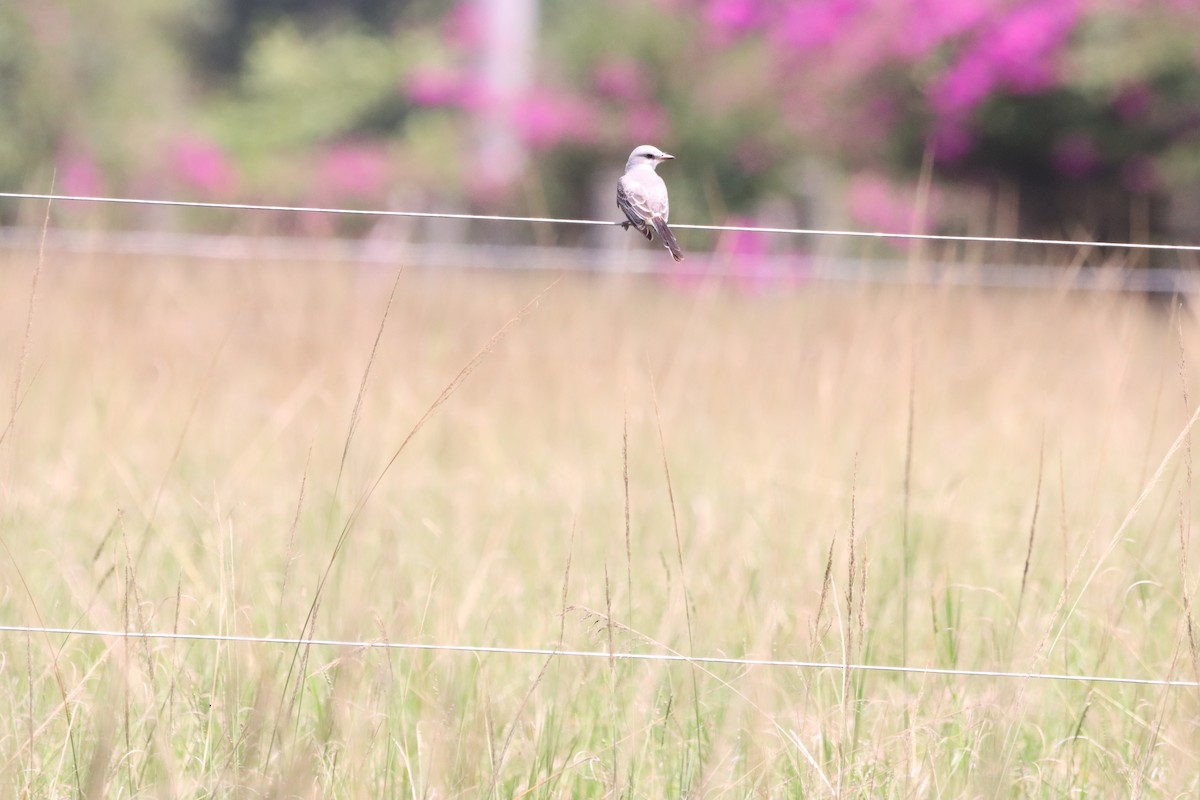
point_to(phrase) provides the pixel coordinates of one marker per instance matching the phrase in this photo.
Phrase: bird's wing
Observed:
(643, 194)
(632, 203)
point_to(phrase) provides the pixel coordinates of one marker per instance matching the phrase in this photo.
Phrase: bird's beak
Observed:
(665, 156)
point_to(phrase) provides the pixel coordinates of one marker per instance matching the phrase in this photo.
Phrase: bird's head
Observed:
(646, 154)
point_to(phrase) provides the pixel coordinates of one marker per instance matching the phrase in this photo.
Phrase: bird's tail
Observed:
(669, 240)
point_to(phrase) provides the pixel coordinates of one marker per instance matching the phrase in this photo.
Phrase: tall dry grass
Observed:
(192, 441)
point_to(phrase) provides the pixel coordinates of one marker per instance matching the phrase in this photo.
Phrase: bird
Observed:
(642, 195)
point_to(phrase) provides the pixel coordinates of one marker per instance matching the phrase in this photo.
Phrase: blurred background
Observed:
(1058, 118)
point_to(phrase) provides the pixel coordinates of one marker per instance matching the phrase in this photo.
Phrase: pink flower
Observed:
(646, 122)
(354, 170)
(462, 27)
(813, 23)
(547, 117)
(747, 252)
(729, 19)
(1017, 52)
(620, 79)
(879, 205)
(78, 174)
(929, 23)
(435, 87)
(870, 202)
(746, 258)
(201, 164)
(1032, 31)
(964, 87)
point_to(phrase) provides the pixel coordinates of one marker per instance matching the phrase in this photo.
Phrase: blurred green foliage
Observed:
(296, 91)
(82, 77)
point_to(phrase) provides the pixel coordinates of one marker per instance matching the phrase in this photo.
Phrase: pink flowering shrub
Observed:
(201, 165)
(79, 174)
(436, 87)
(546, 117)
(878, 204)
(1026, 88)
(353, 171)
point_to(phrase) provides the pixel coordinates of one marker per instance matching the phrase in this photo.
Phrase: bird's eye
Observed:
(648, 155)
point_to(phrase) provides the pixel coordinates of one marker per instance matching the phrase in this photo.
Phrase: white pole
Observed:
(506, 72)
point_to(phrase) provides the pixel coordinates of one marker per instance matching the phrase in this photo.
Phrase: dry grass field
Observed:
(947, 478)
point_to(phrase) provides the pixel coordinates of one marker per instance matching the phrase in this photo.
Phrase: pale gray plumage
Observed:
(642, 196)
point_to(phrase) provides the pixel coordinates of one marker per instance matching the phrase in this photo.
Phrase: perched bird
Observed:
(642, 195)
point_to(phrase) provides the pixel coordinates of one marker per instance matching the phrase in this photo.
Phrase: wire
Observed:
(594, 654)
(1194, 248)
